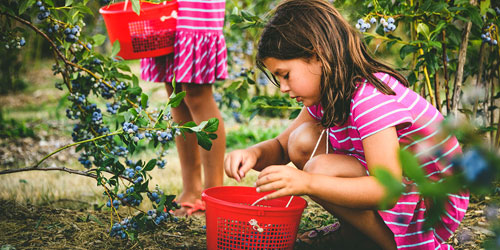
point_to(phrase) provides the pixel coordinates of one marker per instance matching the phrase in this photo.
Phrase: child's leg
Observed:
(189, 157)
(300, 145)
(199, 98)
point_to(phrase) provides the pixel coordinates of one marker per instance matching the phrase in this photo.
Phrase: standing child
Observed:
(368, 112)
(199, 59)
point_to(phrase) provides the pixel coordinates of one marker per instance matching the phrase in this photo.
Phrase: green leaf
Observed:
(99, 39)
(423, 29)
(132, 111)
(151, 164)
(247, 15)
(144, 100)
(484, 5)
(294, 114)
(136, 6)
(24, 6)
(411, 167)
(68, 3)
(394, 188)
(200, 127)
(135, 90)
(175, 99)
(441, 25)
(204, 141)
(189, 124)
(84, 9)
(115, 49)
(212, 125)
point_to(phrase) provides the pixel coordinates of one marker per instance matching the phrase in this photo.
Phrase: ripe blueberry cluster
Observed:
(53, 28)
(97, 117)
(388, 24)
(362, 25)
(237, 117)
(155, 196)
(217, 97)
(497, 10)
(165, 136)
(118, 229)
(489, 35)
(77, 97)
(130, 199)
(107, 92)
(103, 130)
(475, 166)
(130, 128)
(116, 203)
(72, 114)
(158, 218)
(44, 12)
(112, 108)
(262, 80)
(72, 34)
(161, 163)
(120, 151)
(132, 172)
(86, 160)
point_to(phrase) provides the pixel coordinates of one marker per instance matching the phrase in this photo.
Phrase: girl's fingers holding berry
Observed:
(232, 163)
(247, 165)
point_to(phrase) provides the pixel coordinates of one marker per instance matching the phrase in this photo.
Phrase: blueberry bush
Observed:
(105, 136)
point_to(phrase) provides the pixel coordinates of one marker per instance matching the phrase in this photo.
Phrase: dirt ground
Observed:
(49, 227)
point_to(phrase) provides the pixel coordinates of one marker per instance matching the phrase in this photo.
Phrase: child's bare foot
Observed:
(334, 237)
(191, 204)
(322, 237)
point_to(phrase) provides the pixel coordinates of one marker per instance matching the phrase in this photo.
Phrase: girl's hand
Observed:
(239, 162)
(284, 179)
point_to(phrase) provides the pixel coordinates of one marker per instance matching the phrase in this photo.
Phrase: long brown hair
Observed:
(308, 28)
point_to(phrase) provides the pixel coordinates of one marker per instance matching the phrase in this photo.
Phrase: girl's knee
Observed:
(301, 143)
(335, 165)
(196, 95)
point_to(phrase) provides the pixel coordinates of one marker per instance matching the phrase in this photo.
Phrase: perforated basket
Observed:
(149, 34)
(233, 224)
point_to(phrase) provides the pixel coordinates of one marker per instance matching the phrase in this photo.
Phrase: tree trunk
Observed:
(462, 56)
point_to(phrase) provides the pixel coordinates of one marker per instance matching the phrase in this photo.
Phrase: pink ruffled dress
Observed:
(200, 49)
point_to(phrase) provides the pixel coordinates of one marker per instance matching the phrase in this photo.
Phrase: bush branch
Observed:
(64, 169)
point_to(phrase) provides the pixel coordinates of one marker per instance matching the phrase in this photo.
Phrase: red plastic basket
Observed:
(149, 34)
(233, 224)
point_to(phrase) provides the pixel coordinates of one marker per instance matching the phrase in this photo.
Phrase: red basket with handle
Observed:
(149, 34)
(234, 223)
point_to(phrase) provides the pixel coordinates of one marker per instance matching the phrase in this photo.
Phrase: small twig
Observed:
(445, 72)
(172, 235)
(36, 168)
(478, 79)
(76, 143)
(277, 107)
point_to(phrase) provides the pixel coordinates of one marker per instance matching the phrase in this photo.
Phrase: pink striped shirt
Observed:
(417, 123)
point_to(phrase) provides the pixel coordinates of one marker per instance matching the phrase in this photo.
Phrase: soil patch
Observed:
(50, 227)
